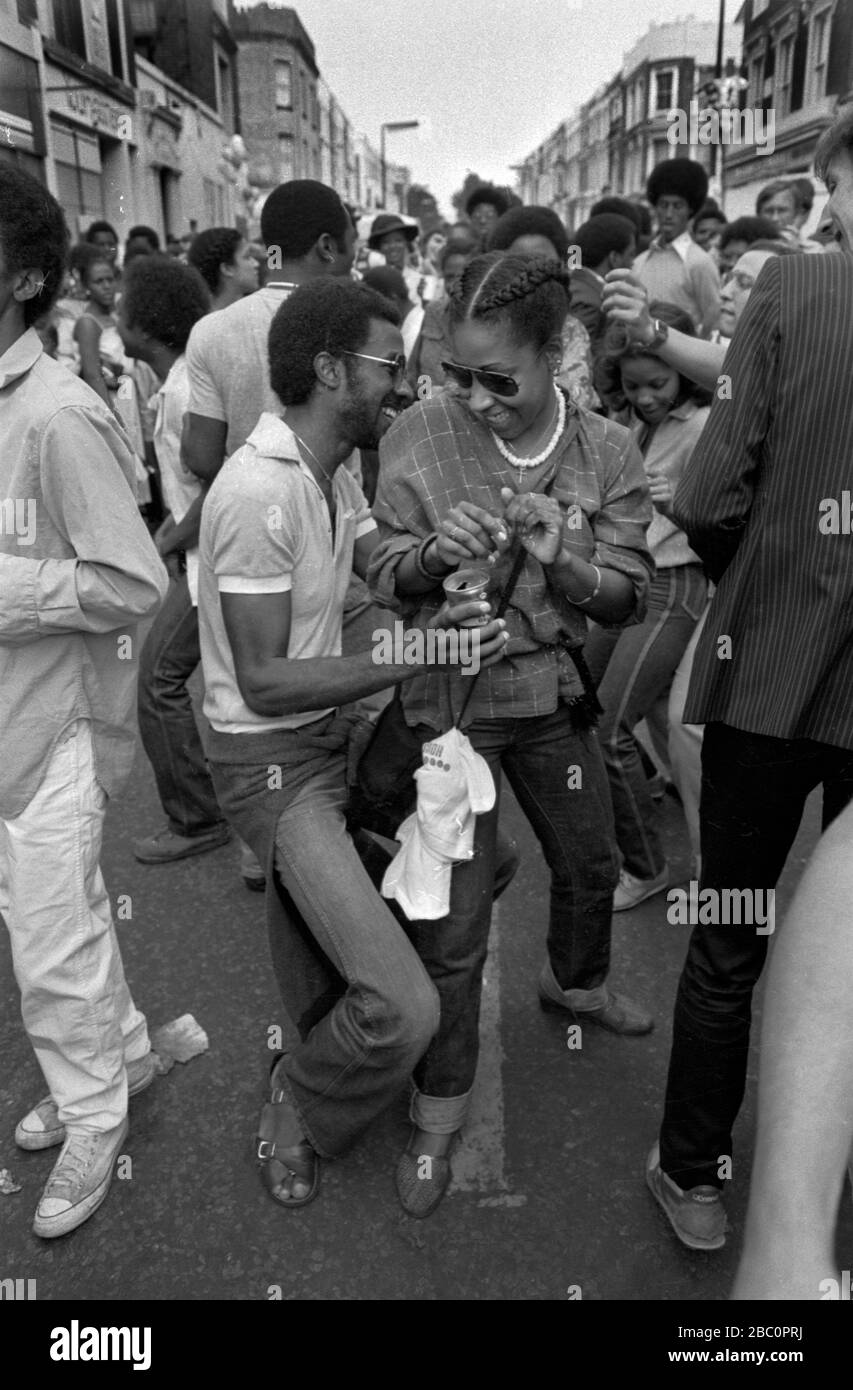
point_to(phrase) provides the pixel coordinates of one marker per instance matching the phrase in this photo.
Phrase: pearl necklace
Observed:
(522, 463)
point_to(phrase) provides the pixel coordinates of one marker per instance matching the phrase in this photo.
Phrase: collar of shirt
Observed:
(273, 438)
(20, 357)
(680, 245)
(177, 368)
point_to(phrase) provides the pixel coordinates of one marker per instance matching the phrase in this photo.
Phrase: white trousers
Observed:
(75, 1002)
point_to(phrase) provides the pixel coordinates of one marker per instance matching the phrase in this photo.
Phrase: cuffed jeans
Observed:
(754, 789)
(352, 983)
(167, 723)
(633, 668)
(75, 1003)
(558, 776)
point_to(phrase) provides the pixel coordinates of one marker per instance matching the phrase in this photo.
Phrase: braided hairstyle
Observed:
(527, 294)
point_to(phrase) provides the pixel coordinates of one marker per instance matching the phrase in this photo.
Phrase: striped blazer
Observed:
(766, 502)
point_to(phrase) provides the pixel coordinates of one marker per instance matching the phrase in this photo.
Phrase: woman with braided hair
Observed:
(502, 466)
(538, 231)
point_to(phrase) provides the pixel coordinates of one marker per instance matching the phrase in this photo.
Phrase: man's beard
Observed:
(359, 422)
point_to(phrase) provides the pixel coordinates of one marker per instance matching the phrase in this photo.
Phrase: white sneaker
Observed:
(42, 1127)
(631, 890)
(79, 1182)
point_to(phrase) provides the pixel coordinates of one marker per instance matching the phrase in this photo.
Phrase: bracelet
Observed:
(420, 562)
(582, 602)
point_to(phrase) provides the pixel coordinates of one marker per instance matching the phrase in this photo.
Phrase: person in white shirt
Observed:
(674, 268)
(308, 234)
(162, 301)
(283, 526)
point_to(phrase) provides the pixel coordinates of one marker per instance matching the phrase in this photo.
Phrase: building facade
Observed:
(798, 63)
(22, 133)
(125, 109)
(292, 123)
(186, 78)
(179, 114)
(279, 98)
(88, 89)
(612, 142)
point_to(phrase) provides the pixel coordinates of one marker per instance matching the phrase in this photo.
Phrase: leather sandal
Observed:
(422, 1180)
(279, 1160)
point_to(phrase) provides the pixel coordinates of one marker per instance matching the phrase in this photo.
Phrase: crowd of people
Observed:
(268, 454)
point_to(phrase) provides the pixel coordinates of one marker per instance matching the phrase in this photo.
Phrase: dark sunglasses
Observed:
(496, 383)
(396, 365)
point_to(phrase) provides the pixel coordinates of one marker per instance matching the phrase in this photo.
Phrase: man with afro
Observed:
(674, 268)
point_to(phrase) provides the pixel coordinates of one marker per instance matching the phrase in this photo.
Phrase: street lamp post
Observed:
(390, 125)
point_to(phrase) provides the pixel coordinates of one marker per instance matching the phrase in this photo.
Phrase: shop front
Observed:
(92, 136)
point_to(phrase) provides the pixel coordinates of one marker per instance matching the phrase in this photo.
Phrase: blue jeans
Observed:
(351, 982)
(633, 668)
(167, 724)
(573, 821)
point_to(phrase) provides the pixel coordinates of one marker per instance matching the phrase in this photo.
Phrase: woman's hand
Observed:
(624, 300)
(470, 533)
(661, 491)
(537, 521)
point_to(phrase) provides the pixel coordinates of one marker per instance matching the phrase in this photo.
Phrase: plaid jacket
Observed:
(438, 454)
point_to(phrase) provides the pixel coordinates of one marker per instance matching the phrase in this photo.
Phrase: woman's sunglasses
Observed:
(496, 383)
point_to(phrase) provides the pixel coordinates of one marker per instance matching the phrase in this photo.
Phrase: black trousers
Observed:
(754, 789)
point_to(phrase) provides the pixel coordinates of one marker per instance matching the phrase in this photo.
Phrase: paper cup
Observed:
(468, 584)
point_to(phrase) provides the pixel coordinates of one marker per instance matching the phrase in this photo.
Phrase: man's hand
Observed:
(172, 561)
(162, 534)
(537, 521)
(488, 640)
(470, 533)
(625, 300)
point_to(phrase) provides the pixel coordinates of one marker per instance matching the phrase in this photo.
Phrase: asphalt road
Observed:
(548, 1200)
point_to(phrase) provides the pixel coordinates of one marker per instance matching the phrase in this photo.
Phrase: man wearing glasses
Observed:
(284, 525)
(308, 234)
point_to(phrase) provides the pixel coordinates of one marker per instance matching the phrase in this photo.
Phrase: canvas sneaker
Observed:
(166, 847)
(42, 1128)
(630, 890)
(697, 1215)
(79, 1182)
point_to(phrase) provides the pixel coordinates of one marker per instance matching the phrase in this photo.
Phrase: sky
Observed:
(488, 79)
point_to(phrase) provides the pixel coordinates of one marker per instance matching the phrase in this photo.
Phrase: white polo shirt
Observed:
(266, 529)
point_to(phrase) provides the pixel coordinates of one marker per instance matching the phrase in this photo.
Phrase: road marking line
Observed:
(478, 1160)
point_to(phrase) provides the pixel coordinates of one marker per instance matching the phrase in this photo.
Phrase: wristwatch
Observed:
(660, 335)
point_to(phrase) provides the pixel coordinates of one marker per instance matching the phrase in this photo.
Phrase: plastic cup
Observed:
(468, 584)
